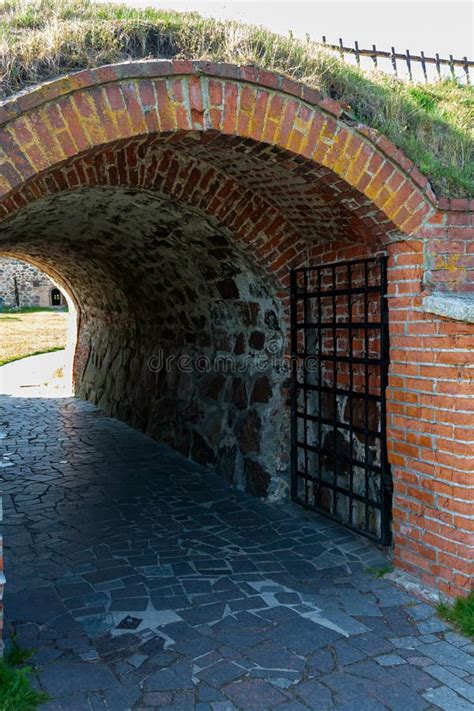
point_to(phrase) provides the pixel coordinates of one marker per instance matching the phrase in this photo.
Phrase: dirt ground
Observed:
(30, 333)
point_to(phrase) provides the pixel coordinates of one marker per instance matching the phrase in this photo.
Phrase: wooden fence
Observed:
(405, 58)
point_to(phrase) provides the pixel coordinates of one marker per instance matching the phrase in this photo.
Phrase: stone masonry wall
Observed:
(200, 376)
(22, 284)
(186, 344)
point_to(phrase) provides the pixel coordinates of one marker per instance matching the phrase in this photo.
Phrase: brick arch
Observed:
(266, 116)
(255, 223)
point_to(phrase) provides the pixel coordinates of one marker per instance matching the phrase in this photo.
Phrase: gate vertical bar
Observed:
(305, 380)
(294, 382)
(320, 376)
(351, 388)
(334, 385)
(366, 393)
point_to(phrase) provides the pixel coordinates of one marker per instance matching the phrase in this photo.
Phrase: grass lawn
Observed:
(31, 333)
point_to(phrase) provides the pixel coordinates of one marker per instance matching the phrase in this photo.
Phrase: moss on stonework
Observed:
(432, 123)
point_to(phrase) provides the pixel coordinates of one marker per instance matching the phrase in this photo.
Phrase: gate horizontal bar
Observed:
(338, 324)
(361, 531)
(337, 292)
(340, 457)
(345, 263)
(340, 490)
(337, 425)
(340, 359)
(338, 391)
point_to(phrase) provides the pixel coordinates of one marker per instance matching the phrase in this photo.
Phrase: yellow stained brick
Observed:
(92, 124)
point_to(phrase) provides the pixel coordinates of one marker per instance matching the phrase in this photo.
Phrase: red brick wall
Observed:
(431, 432)
(449, 250)
(277, 165)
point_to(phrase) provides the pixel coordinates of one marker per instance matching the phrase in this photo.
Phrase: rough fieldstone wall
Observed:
(183, 335)
(33, 286)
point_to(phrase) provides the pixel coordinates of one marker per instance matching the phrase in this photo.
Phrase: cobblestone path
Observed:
(144, 582)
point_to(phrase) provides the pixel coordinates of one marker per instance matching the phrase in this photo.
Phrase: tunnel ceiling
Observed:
(146, 204)
(124, 251)
(222, 176)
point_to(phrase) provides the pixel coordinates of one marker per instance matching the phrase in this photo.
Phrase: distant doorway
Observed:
(56, 297)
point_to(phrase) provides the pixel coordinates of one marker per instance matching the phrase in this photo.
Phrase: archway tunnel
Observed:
(173, 201)
(176, 325)
(181, 285)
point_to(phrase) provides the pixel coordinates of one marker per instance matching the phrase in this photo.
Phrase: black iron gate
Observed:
(340, 353)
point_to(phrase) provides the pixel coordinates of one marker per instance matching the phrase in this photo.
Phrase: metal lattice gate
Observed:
(339, 341)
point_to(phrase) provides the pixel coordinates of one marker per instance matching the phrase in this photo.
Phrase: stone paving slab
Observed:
(143, 581)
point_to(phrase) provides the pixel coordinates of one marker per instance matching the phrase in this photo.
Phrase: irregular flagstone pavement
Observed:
(144, 581)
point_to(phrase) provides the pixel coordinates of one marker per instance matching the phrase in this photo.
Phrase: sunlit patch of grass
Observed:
(32, 333)
(460, 614)
(36, 353)
(42, 39)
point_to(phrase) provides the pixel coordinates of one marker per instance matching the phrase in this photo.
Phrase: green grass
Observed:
(460, 614)
(12, 359)
(16, 692)
(30, 309)
(433, 123)
(16, 656)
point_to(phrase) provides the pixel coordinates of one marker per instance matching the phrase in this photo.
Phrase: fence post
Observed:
(356, 45)
(409, 64)
(466, 70)
(374, 56)
(423, 65)
(394, 62)
(341, 46)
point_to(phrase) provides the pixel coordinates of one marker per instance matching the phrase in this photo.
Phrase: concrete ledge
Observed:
(459, 307)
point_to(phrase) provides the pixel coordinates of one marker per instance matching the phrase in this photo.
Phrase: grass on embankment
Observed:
(31, 333)
(460, 614)
(42, 39)
(16, 692)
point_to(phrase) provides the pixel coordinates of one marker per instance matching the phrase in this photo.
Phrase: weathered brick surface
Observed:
(276, 171)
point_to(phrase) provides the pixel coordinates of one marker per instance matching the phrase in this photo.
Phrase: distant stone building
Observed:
(23, 285)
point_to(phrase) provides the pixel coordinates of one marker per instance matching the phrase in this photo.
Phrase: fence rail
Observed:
(405, 57)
